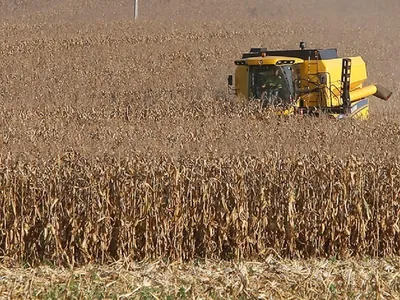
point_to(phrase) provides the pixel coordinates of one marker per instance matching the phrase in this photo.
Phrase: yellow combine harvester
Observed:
(306, 81)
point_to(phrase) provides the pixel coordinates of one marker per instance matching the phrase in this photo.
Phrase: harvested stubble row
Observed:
(72, 210)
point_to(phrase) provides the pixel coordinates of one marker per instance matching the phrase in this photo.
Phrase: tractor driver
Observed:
(273, 82)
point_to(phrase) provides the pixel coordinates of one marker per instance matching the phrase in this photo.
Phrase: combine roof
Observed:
(304, 54)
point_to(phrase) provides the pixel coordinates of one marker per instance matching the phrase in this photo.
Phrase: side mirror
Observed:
(230, 80)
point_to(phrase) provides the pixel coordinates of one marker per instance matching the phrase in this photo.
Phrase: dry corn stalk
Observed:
(73, 210)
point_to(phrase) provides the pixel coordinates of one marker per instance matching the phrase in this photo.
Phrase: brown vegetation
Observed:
(270, 279)
(71, 211)
(121, 87)
(118, 139)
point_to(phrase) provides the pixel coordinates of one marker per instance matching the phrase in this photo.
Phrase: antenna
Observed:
(136, 9)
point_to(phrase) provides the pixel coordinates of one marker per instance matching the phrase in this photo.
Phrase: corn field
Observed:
(72, 211)
(129, 170)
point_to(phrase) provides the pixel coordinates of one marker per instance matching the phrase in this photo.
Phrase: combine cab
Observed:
(306, 81)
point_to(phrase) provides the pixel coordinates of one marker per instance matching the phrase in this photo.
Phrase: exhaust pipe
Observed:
(376, 90)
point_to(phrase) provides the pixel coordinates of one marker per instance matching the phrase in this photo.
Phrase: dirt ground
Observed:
(271, 279)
